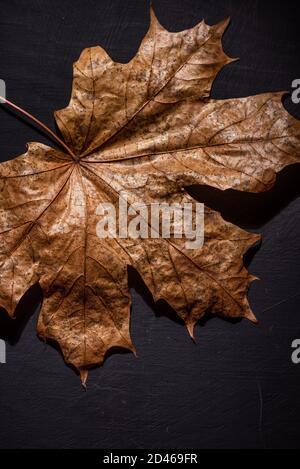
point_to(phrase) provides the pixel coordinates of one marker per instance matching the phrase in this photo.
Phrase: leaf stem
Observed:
(37, 121)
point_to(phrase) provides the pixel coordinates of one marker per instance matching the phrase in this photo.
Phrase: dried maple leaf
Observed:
(147, 129)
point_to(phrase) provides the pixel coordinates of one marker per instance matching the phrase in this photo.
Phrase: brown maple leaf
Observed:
(146, 129)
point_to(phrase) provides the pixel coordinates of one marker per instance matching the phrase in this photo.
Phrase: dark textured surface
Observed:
(237, 387)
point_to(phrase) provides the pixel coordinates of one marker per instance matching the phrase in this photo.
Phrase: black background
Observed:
(237, 387)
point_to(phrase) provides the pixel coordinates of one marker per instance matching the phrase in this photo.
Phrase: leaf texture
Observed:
(146, 130)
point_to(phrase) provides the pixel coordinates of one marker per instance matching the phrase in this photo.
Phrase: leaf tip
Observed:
(231, 60)
(190, 328)
(250, 316)
(255, 240)
(83, 377)
(152, 13)
(153, 18)
(221, 27)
